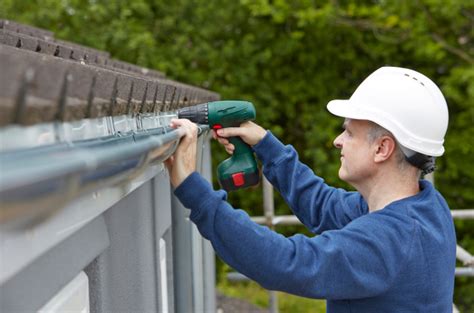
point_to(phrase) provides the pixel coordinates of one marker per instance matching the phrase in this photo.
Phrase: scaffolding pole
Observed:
(269, 211)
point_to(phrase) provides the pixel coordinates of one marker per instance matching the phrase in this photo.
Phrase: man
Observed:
(390, 247)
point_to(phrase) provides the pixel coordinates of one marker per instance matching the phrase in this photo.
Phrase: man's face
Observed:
(356, 152)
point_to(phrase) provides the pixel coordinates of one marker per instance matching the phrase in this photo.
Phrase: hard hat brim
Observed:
(346, 109)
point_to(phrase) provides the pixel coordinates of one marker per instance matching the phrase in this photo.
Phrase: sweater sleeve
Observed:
(318, 206)
(360, 260)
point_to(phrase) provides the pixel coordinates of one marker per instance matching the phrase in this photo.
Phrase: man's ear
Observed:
(385, 147)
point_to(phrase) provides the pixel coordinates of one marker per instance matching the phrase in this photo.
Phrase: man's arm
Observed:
(317, 205)
(361, 260)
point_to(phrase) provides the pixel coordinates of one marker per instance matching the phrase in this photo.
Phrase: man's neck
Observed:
(385, 188)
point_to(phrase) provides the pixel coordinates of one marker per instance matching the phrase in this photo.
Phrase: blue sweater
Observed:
(398, 259)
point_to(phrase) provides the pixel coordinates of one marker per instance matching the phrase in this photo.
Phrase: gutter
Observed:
(36, 181)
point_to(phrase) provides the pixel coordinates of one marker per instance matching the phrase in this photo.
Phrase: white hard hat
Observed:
(403, 101)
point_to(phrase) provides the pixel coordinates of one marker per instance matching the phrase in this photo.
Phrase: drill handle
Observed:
(240, 146)
(240, 170)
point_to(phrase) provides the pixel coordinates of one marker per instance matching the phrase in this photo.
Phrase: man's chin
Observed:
(342, 174)
(345, 177)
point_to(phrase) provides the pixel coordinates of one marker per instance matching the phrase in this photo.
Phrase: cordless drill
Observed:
(240, 170)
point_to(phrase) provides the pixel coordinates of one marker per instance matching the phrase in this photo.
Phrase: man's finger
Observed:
(169, 163)
(173, 123)
(223, 141)
(188, 128)
(179, 122)
(230, 132)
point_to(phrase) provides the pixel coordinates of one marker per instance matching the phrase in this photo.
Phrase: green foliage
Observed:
(290, 58)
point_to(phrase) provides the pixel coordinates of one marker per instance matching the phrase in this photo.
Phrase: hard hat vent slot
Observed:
(414, 78)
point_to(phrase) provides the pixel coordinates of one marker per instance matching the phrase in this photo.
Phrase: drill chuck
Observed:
(197, 114)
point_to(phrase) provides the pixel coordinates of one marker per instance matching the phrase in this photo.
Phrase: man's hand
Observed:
(250, 133)
(183, 162)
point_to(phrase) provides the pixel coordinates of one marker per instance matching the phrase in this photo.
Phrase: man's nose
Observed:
(338, 142)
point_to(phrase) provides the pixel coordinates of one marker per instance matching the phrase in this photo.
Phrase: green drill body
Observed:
(240, 170)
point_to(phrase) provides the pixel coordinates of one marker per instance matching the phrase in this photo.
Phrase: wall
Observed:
(88, 220)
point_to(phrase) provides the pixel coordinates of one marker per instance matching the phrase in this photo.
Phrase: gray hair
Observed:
(376, 131)
(405, 157)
